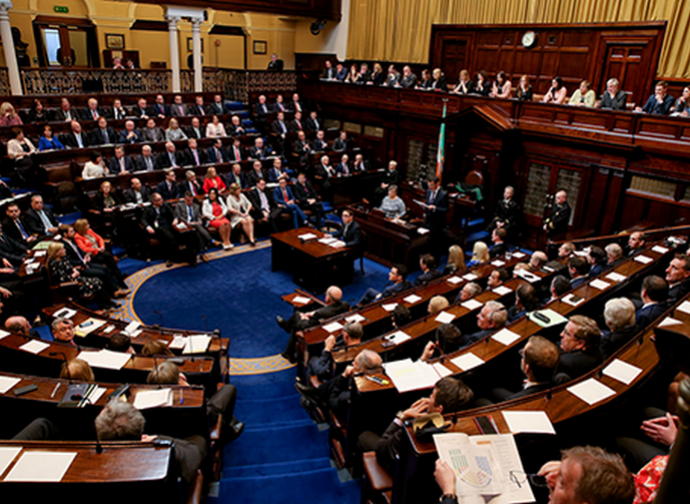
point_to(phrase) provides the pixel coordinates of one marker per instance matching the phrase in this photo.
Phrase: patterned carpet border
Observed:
(261, 365)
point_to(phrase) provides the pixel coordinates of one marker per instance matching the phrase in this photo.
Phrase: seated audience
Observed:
(496, 278)
(481, 86)
(187, 210)
(596, 257)
(636, 243)
(137, 193)
(20, 150)
(169, 158)
(578, 268)
(480, 254)
(192, 156)
(524, 89)
(392, 205)
(376, 77)
(235, 127)
(91, 243)
(257, 172)
(678, 278)
(308, 199)
(191, 184)
(320, 144)
(337, 391)
(580, 341)
(436, 305)
(130, 134)
(342, 143)
(285, 200)
(566, 250)
(65, 112)
(140, 110)
(427, 265)
(323, 366)
(265, 209)
(464, 85)
(654, 297)
(559, 286)
(239, 209)
(158, 220)
(94, 167)
(408, 79)
(194, 129)
(146, 161)
(397, 276)
(120, 342)
(215, 210)
(152, 132)
(660, 102)
(502, 87)
(492, 317)
(48, 141)
(38, 113)
(213, 181)
(160, 109)
(614, 255)
(14, 227)
(77, 370)
(121, 164)
(682, 104)
(468, 291)
(613, 98)
(39, 220)
(118, 112)
(9, 116)
(215, 128)
(349, 233)
(526, 301)
(343, 168)
(619, 315)
(584, 96)
(456, 261)
(168, 187)
(157, 348)
(557, 92)
(499, 247)
(438, 80)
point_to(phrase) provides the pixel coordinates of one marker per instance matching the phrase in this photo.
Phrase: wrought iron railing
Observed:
(4, 82)
(234, 84)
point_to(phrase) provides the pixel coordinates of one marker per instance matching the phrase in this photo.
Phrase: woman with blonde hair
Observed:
(464, 83)
(77, 369)
(174, 132)
(480, 254)
(93, 244)
(9, 116)
(238, 211)
(213, 181)
(155, 347)
(437, 304)
(456, 260)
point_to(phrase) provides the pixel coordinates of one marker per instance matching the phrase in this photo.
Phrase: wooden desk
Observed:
(314, 265)
(126, 471)
(389, 241)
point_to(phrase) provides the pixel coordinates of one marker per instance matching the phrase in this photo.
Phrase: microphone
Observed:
(79, 397)
(160, 318)
(64, 358)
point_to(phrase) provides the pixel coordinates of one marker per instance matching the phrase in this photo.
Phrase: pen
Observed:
(55, 389)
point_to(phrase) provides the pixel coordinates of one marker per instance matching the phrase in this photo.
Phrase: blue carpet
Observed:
(238, 294)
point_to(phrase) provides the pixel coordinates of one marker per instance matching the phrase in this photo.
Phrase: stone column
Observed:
(8, 44)
(174, 52)
(196, 51)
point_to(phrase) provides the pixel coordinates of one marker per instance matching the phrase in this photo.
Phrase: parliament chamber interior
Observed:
(373, 251)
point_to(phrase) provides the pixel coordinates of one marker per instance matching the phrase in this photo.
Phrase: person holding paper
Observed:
(654, 295)
(619, 315)
(427, 264)
(540, 359)
(323, 366)
(492, 317)
(436, 212)
(678, 278)
(397, 276)
(580, 340)
(449, 395)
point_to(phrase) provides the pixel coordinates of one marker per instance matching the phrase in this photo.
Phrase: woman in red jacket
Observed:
(91, 243)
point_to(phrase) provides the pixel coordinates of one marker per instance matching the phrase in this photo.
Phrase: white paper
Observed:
(622, 371)
(580, 253)
(332, 327)
(591, 391)
(505, 336)
(327, 241)
(300, 300)
(659, 249)
(442, 370)
(96, 394)
(599, 284)
(444, 317)
(131, 327)
(109, 329)
(498, 263)
(6, 384)
(616, 277)
(7, 455)
(153, 398)
(454, 280)
(389, 307)
(355, 318)
(467, 361)
(398, 337)
(569, 300)
(136, 333)
(306, 236)
(469, 276)
(41, 466)
(412, 298)
(502, 290)
(106, 359)
(65, 313)
(422, 231)
(669, 321)
(178, 342)
(337, 244)
(518, 254)
(684, 307)
(40, 253)
(471, 304)
(555, 318)
(197, 343)
(34, 346)
(407, 375)
(536, 422)
(3, 334)
(83, 331)
(527, 275)
(643, 259)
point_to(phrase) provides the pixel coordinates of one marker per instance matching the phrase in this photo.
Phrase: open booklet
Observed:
(483, 467)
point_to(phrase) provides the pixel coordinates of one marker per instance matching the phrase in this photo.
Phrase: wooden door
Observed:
(624, 60)
(454, 59)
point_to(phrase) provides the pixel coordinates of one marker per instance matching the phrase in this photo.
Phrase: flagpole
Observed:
(441, 155)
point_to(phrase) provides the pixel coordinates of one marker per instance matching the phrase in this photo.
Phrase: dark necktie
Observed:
(105, 136)
(21, 228)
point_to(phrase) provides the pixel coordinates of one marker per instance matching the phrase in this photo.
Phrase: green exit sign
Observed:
(61, 9)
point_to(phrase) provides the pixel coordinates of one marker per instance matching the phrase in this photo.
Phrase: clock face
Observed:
(529, 38)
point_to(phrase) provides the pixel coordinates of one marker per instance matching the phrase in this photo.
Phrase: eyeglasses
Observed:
(520, 478)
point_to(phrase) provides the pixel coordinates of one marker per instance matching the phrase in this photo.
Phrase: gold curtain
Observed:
(400, 30)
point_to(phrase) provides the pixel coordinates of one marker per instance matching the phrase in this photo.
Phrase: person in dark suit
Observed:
(158, 220)
(678, 278)
(349, 231)
(194, 129)
(636, 243)
(192, 156)
(578, 268)
(168, 187)
(216, 107)
(296, 124)
(500, 247)
(540, 358)
(619, 315)
(178, 108)
(295, 104)
(65, 112)
(146, 161)
(397, 276)
(11, 250)
(580, 340)
(614, 255)
(216, 153)
(264, 208)
(140, 110)
(255, 174)
(390, 177)
(340, 72)
(103, 134)
(492, 317)
(235, 127)
(614, 97)
(438, 80)
(323, 173)
(285, 200)
(660, 102)
(301, 150)
(236, 176)
(328, 72)
(190, 184)
(308, 199)
(279, 128)
(408, 79)
(261, 110)
(130, 134)
(557, 222)
(360, 165)
(279, 105)
(259, 150)
(40, 220)
(187, 210)
(160, 109)
(137, 193)
(13, 225)
(235, 152)
(427, 264)
(117, 111)
(275, 64)
(120, 163)
(435, 215)
(654, 296)
(313, 123)
(320, 143)
(152, 133)
(169, 158)
(198, 109)
(341, 143)
(343, 168)
(301, 320)
(276, 171)
(93, 111)
(76, 138)
(506, 213)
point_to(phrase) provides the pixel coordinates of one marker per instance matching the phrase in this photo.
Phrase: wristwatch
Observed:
(400, 415)
(452, 497)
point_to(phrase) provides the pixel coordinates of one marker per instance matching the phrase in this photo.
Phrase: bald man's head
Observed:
(18, 324)
(334, 294)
